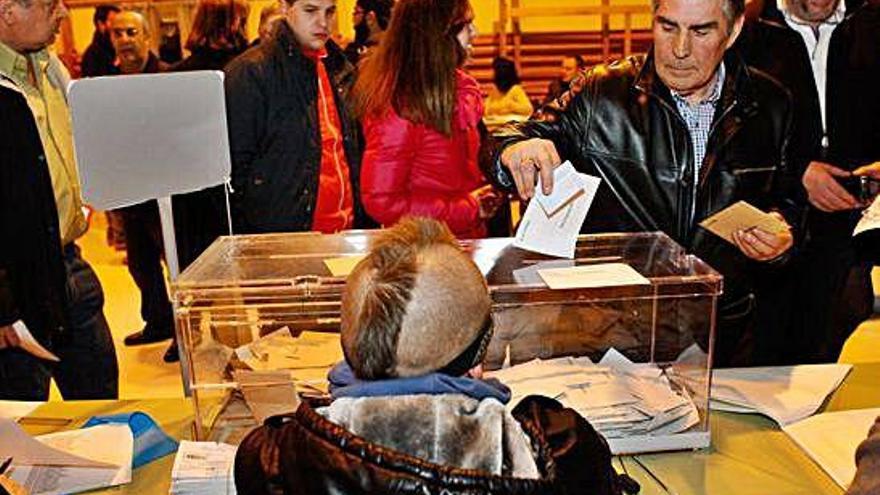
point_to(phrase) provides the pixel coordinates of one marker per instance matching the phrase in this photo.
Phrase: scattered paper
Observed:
(831, 440)
(870, 218)
(267, 393)
(590, 276)
(741, 216)
(26, 450)
(203, 467)
(555, 233)
(280, 350)
(30, 344)
(784, 393)
(96, 457)
(342, 266)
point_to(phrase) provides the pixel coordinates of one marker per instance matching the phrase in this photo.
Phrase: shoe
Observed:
(171, 354)
(145, 337)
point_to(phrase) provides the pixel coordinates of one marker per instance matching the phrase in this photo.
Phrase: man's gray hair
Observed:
(732, 9)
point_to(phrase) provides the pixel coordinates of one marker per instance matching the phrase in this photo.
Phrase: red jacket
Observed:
(411, 169)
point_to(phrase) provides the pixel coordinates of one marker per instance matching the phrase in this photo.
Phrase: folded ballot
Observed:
(203, 468)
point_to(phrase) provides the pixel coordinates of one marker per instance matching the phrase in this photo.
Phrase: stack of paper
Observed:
(619, 398)
(784, 393)
(552, 222)
(203, 468)
(309, 355)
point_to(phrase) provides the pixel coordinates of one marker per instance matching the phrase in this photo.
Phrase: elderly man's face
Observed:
(690, 38)
(130, 40)
(310, 21)
(812, 11)
(34, 26)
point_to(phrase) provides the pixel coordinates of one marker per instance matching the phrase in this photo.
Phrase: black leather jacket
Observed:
(275, 135)
(619, 122)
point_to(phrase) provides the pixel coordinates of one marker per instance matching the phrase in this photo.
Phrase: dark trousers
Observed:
(88, 368)
(143, 243)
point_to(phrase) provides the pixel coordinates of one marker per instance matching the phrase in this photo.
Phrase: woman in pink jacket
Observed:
(420, 113)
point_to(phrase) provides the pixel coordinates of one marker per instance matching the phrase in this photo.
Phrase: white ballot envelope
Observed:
(147, 136)
(552, 222)
(30, 344)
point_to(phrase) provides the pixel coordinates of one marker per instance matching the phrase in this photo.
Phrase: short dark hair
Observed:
(382, 9)
(102, 12)
(504, 74)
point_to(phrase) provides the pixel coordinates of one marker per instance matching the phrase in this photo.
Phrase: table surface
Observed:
(749, 455)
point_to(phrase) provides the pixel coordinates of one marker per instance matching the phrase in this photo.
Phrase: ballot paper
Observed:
(870, 218)
(741, 216)
(552, 222)
(280, 350)
(70, 461)
(30, 344)
(16, 409)
(267, 393)
(831, 440)
(590, 276)
(203, 468)
(343, 265)
(784, 393)
(621, 399)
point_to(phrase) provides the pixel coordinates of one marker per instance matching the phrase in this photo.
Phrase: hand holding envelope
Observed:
(759, 235)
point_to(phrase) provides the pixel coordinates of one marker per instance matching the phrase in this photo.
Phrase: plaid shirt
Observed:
(699, 121)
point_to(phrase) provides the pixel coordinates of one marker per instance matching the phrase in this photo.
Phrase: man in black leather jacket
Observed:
(828, 54)
(296, 149)
(677, 136)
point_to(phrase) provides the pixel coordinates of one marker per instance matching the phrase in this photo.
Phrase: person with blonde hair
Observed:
(421, 114)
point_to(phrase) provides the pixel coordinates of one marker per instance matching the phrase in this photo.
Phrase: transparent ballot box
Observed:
(629, 349)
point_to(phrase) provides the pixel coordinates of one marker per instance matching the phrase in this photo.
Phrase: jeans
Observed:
(88, 368)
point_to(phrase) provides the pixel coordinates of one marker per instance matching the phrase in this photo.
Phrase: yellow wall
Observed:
(486, 12)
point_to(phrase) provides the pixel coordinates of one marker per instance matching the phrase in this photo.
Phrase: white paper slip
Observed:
(30, 344)
(784, 393)
(831, 440)
(567, 185)
(590, 276)
(556, 235)
(15, 409)
(870, 218)
(343, 265)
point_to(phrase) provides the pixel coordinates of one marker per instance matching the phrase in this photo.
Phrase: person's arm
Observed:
(867, 479)
(386, 188)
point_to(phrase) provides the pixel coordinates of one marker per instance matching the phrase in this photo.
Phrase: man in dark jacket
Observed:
(370, 19)
(99, 56)
(143, 230)
(677, 136)
(46, 286)
(295, 147)
(827, 53)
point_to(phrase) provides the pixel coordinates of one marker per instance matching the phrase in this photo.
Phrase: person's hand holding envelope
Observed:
(759, 235)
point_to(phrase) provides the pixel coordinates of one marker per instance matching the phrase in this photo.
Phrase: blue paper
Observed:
(150, 442)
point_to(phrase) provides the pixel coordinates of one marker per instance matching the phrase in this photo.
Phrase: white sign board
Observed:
(149, 136)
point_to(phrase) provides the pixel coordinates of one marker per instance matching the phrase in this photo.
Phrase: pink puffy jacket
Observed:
(411, 169)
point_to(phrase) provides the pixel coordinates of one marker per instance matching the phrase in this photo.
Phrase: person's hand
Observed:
(824, 192)
(525, 158)
(488, 199)
(872, 171)
(761, 245)
(8, 337)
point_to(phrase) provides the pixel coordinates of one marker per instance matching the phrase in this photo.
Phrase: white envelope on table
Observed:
(552, 222)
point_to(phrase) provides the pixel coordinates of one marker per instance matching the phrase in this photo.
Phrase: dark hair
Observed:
(505, 76)
(102, 12)
(213, 26)
(382, 9)
(413, 68)
(578, 60)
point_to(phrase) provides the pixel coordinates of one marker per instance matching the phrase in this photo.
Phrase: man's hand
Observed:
(824, 191)
(760, 245)
(8, 337)
(525, 158)
(872, 171)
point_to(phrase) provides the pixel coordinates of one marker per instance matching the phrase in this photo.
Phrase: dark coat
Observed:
(32, 273)
(275, 135)
(619, 122)
(99, 57)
